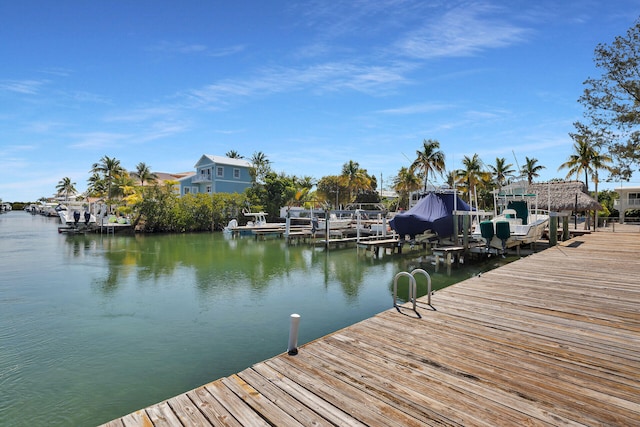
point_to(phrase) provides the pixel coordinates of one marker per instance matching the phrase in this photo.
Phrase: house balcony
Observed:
(201, 178)
(626, 204)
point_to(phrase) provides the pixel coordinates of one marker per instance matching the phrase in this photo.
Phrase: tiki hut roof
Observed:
(561, 195)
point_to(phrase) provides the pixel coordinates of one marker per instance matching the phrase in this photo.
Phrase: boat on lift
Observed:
(519, 222)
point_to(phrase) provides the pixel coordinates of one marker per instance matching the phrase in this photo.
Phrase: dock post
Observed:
(565, 228)
(456, 232)
(553, 230)
(384, 227)
(326, 228)
(465, 232)
(294, 326)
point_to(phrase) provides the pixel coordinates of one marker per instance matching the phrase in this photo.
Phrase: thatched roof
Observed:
(561, 196)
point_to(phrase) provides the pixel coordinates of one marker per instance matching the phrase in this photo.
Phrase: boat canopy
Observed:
(433, 212)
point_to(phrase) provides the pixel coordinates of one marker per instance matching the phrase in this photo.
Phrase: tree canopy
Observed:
(66, 187)
(531, 169)
(429, 160)
(612, 101)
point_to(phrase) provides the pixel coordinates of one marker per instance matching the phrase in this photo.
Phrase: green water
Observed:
(94, 327)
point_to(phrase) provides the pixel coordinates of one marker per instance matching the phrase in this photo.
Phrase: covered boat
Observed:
(433, 212)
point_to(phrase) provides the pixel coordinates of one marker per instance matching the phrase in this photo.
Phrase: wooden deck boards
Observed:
(551, 339)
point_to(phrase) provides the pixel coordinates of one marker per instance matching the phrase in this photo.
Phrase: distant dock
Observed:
(550, 339)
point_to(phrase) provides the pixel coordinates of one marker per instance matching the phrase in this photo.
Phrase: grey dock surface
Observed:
(550, 339)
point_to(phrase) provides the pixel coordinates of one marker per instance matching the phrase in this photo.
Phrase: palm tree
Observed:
(430, 160)
(599, 161)
(354, 178)
(306, 182)
(109, 168)
(143, 173)
(66, 187)
(233, 154)
(586, 159)
(580, 161)
(451, 178)
(472, 175)
(404, 183)
(501, 171)
(96, 186)
(531, 169)
(121, 184)
(261, 166)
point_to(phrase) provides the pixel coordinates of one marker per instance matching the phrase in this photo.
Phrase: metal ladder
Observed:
(412, 287)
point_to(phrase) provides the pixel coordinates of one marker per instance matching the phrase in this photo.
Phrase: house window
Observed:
(209, 189)
(187, 190)
(220, 171)
(236, 173)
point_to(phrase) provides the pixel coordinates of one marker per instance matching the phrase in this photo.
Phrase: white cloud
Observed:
(462, 31)
(416, 109)
(29, 87)
(195, 48)
(226, 51)
(94, 140)
(319, 78)
(177, 47)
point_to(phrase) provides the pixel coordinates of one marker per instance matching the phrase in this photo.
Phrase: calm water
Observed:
(92, 327)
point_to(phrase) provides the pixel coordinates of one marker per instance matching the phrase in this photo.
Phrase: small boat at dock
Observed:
(71, 215)
(434, 211)
(519, 222)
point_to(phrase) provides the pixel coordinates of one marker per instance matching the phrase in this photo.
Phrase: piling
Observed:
(294, 326)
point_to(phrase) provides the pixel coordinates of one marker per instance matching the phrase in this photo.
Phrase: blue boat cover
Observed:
(433, 212)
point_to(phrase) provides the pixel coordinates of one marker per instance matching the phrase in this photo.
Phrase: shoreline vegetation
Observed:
(154, 205)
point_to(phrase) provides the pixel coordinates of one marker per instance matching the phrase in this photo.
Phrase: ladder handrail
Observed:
(421, 271)
(412, 288)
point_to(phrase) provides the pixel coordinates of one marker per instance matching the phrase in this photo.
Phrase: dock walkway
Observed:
(551, 339)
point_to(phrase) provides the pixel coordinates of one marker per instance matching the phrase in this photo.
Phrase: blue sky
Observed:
(312, 84)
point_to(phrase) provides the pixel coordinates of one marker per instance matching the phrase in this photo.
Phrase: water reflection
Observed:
(111, 324)
(216, 263)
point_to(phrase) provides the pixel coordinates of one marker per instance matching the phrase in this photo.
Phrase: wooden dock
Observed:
(377, 246)
(552, 339)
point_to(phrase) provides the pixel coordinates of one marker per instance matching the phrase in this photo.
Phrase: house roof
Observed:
(221, 160)
(162, 177)
(626, 189)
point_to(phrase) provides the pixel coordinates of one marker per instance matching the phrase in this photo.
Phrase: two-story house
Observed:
(629, 199)
(217, 174)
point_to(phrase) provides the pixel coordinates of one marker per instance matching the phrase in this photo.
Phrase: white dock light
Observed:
(293, 335)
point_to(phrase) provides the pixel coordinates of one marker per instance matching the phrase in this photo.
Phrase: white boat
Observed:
(259, 219)
(231, 225)
(335, 222)
(75, 215)
(519, 222)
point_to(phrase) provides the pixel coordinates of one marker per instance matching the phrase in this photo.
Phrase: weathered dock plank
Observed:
(551, 340)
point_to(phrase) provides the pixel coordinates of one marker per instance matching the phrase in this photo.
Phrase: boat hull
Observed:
(519, 234)
(75, 217)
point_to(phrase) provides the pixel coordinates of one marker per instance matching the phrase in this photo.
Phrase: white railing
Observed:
(627, 202)
(201, 178)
